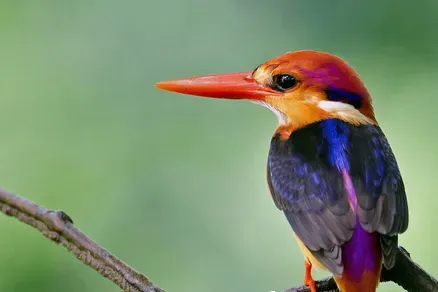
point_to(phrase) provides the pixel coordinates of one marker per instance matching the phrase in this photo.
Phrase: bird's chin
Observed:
(282, 117)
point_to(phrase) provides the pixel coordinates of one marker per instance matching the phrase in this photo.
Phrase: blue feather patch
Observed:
(336, 135)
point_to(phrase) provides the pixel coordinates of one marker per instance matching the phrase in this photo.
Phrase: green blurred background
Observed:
(175, 185)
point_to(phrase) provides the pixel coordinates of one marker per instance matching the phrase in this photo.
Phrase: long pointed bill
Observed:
(230, 86)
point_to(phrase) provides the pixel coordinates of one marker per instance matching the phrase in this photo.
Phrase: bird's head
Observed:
(300, 87)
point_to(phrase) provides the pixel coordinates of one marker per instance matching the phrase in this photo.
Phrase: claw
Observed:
(308, 280)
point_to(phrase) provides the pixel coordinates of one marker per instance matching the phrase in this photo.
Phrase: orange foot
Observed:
(308, 280)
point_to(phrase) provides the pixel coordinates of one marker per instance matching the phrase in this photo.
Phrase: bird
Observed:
(330, 168)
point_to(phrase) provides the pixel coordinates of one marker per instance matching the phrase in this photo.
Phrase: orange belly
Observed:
(369, 282)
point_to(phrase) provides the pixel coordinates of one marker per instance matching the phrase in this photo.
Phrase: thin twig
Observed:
(405, 273)
(58, 227)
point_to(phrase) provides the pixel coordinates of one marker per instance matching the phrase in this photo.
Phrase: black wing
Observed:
(310, 190)
(381, 197)
(311, 194)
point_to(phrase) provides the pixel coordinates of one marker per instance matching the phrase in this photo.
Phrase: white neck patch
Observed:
(335, 106)
(344, 110)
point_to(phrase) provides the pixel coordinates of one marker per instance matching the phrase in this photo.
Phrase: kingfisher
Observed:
(330, 168)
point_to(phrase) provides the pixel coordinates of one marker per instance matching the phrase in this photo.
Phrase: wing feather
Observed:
(381, 196)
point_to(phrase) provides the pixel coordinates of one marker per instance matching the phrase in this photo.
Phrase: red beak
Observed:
(230, 86)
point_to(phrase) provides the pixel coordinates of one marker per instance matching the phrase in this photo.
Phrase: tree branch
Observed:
(405, 273)
(58, 227)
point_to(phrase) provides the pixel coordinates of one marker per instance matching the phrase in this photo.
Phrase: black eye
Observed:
(283, 82)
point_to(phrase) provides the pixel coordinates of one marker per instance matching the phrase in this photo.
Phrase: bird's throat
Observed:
(299, 115)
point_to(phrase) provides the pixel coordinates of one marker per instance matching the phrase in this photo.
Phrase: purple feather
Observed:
(361, 252)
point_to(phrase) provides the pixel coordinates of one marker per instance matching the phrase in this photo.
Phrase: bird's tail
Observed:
(368, 283)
